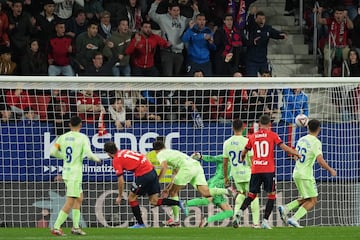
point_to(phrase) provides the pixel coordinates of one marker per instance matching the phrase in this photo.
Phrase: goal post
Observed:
(191, 114)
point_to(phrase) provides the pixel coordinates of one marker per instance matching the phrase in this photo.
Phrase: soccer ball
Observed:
(301, 120)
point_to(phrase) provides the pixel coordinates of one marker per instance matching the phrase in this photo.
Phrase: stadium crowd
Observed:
(144, 38)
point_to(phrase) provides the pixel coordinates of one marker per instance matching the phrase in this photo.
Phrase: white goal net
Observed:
(191, 114)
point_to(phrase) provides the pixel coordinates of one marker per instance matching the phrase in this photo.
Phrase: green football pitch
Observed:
(286, 233)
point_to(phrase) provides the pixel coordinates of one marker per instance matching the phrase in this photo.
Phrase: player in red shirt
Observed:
(263, 144)
(146, 180)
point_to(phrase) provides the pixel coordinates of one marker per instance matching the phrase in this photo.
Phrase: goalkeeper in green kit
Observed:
(217, 181)
(72, 147)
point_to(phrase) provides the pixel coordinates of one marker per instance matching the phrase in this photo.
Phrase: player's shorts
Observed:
(242, 187)
(306, 187)
(192, 173)
(146, 184)
(73, 188)
(218, 199)
(257, 179)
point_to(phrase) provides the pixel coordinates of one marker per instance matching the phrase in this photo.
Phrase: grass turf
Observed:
(217, 233)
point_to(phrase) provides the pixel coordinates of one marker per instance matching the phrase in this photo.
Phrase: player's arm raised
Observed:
(324, 165)
(289, 150)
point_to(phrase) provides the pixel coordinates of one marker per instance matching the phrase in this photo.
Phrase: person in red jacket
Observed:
(59, 50)
(4, 27)
(18, 100)
(142, 49)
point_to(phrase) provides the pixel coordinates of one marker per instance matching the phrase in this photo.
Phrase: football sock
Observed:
(238, 202)
(168, 201)
(76, 217)
(269, 207)
(291, 206)
(198, 202)
(246, 203)
(136, 211)
(300, 213)
(60, 219)
(218, 191)
(175, 209)
(221, 216)
(255, 211)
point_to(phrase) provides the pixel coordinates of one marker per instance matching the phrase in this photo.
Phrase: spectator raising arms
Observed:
(121, 39)
(172, 26)
(200, 41)
(259, 35)
(142, 50)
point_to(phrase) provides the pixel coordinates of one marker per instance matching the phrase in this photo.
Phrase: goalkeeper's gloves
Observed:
(196, 156)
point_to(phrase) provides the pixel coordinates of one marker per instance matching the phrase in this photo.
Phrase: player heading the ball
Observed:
(146, 179)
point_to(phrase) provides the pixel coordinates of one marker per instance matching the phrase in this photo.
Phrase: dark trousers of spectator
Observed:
(171, 63)
(145, 72)
(193, 67)
(253, 68)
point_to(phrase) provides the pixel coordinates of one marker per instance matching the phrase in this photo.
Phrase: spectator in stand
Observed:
(130, 98)
(46, 23)
(142, 49)
(353, 64)
(21, 28)
(351, 6)
(141, 112)
(4, 26)
(93, 8)
(98, 68)
(58, 112)
(339, 27)
(59, 50)
(18, 100)
(295, 102)
(118, 114)
(116, 9)
(200, 42)
(121, 39)
(7, 66)
(89, 106)
(134, 15)
(87, 43)
(34, 62)
(172, 26)
(29, 114)
(259, 104)
(6, 114)
(355, 32)
(229, 48)
(273, 95)
(105, 26)
(64, 8)
(76, 24)
(259, 35)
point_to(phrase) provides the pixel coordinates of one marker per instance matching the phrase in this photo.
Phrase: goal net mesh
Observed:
(190, 114)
